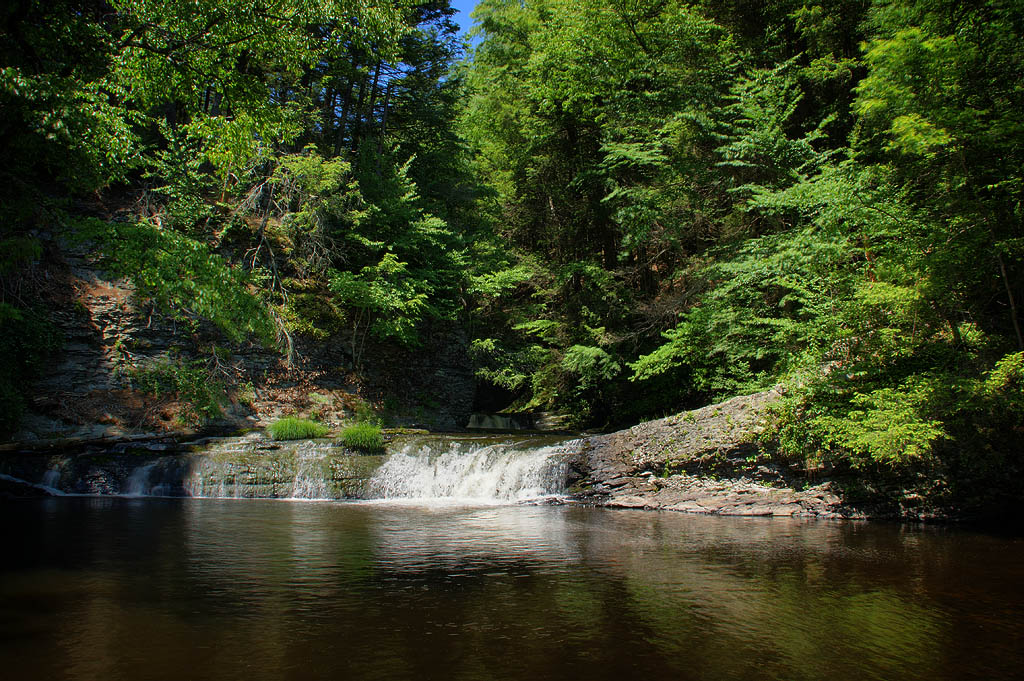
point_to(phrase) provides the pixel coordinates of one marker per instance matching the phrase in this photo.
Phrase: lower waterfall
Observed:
(463, 468)
(479, 471)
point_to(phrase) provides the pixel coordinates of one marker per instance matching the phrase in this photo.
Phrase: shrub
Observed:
(291, 428)
(200, 393)
(366, 436)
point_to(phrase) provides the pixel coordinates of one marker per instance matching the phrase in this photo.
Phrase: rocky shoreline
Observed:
(703, 461)
(742, 497)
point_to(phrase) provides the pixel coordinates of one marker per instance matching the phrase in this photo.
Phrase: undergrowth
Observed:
(200, 393)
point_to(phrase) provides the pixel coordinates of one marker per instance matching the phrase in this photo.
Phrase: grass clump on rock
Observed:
(292, 428)
(365, 436)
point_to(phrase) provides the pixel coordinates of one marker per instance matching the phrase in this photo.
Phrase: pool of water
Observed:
(117, 588)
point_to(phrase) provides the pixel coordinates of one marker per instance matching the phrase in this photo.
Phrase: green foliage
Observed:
(758, 148)
(197, 110)
(364, 436)
(718, 196)
(751, 199)
(889, 426)
(17, 252)
(508, 366)
(1004, 385)
(180, 275)
(246, 394)
(364, 411)
(500, 281)
(201, 394)
(592, 365)
(389, 302)
(292, 428)
(775, 302)
(323, 209)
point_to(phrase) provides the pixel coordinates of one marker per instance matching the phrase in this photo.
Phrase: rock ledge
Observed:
(703, 461)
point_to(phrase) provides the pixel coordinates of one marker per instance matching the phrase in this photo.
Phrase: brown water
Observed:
(114, 588)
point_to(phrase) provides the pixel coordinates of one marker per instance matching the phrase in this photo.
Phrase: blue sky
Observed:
(462, 18)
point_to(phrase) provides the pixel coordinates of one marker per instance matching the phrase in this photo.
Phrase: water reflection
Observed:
(122, 588)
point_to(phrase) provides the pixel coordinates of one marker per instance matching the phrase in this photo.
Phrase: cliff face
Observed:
(702, 461)
(87, 391)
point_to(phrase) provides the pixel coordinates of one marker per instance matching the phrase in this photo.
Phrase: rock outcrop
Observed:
(85, 392)
(702, 461)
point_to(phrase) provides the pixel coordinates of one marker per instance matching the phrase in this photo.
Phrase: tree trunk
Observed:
(346, 103)
(357, 123)
(383, 125)
(1013, 302)
(328, 116)
(373, 92)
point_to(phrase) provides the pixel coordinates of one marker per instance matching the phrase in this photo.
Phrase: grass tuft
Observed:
(365, 436)
(291, 428)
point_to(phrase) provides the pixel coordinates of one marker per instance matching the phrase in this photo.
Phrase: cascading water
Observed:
(51, 478)
(473, 469)
(137, 484)
(308, 469)
(477, 471)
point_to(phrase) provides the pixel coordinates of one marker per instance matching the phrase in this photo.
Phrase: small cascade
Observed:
(311, 472)
(51, 481)
(235, 469)
(306, 469)
(137, 484)
(478, 471)
(45, 489)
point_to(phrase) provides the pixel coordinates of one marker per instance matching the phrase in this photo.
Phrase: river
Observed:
(176, 588)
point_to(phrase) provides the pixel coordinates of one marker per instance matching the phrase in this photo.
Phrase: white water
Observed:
(51, 479)
(478, 472)
(236, 470)
(44, 488)
(310, 471)
(208, 480)
(137, 484)
(436, 470)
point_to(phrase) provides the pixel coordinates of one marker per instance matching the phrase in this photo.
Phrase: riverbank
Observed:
(712, 461)
(707, 461)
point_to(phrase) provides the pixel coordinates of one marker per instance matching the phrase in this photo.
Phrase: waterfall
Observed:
(51, 479)
(137, 484)
(467, 468)
(300, 469)
(311, 473)
(478, 471)
(51, 482)
(21, 481)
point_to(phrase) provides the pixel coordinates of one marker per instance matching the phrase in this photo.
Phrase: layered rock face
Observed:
(86, 391)
(701, 461)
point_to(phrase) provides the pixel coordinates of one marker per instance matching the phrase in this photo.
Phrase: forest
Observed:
(632, 207)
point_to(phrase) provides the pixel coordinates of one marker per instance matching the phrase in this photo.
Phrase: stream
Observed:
(460, 564)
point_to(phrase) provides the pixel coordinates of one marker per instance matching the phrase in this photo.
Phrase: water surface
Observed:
(116, 588)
